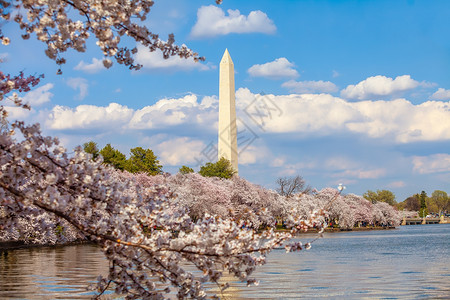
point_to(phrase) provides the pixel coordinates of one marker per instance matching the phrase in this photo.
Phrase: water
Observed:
(50, 272)
(412, 262)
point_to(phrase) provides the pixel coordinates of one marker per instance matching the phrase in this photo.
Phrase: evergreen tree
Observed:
(423, 212)
(91, 148)
(185, 170)
(221, 168)
(113, 157)
(142, 160)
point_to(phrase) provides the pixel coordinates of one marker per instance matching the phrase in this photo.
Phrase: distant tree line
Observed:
(145, 161)
(141, 160)
(437, 203)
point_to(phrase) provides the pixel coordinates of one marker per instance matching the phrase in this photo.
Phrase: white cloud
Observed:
(172, 112)
(307, 113)
(179, 151)
(212, 21)
(114, 116)
(279, 68)
(252, 154)
(39, 95)
(17, 113)
(186, 111)
(155, 61)
(79, 84)
(376, 86)
(441, 94)
(91, 68)
(398, 120)
(339, 163)
(403, 121)
(335, 74)
(436, 163)
(396, 184)
(288, 172)
(277, 162)
(310, 86)
(297, 168)
(362, 174)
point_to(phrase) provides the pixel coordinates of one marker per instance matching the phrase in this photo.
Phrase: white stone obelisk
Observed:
(227, 112)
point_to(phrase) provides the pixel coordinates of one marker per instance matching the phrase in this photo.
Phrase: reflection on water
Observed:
(50, 272)
(412, 262)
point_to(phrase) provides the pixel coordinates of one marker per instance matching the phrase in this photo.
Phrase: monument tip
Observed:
(226, 58)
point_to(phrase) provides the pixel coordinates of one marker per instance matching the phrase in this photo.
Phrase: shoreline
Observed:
(13, 245)
(336, 230)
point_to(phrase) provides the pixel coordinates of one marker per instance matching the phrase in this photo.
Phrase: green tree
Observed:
(91, 148)
(441, 200)
(185, 170)
(113, 157)
(380, 196)
(222, 168)
(423, 212)
(143, 160)
(431, 205)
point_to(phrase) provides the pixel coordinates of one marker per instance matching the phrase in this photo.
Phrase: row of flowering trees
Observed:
(236, 198)
(240, 199)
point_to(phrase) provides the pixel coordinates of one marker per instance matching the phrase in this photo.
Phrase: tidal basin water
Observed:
(412, 262)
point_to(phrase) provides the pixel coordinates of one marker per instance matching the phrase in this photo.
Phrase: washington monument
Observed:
(227, 112)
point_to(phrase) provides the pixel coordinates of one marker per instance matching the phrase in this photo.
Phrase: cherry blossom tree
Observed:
(361, 208)
(67, 24)
(144, 237)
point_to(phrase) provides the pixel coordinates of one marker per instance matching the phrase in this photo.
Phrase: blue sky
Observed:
(359, 91)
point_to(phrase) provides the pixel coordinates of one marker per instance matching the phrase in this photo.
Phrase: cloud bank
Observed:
(398, 121)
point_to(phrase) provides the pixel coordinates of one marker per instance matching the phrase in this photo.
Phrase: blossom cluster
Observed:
(64, 25)
(18, 83)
